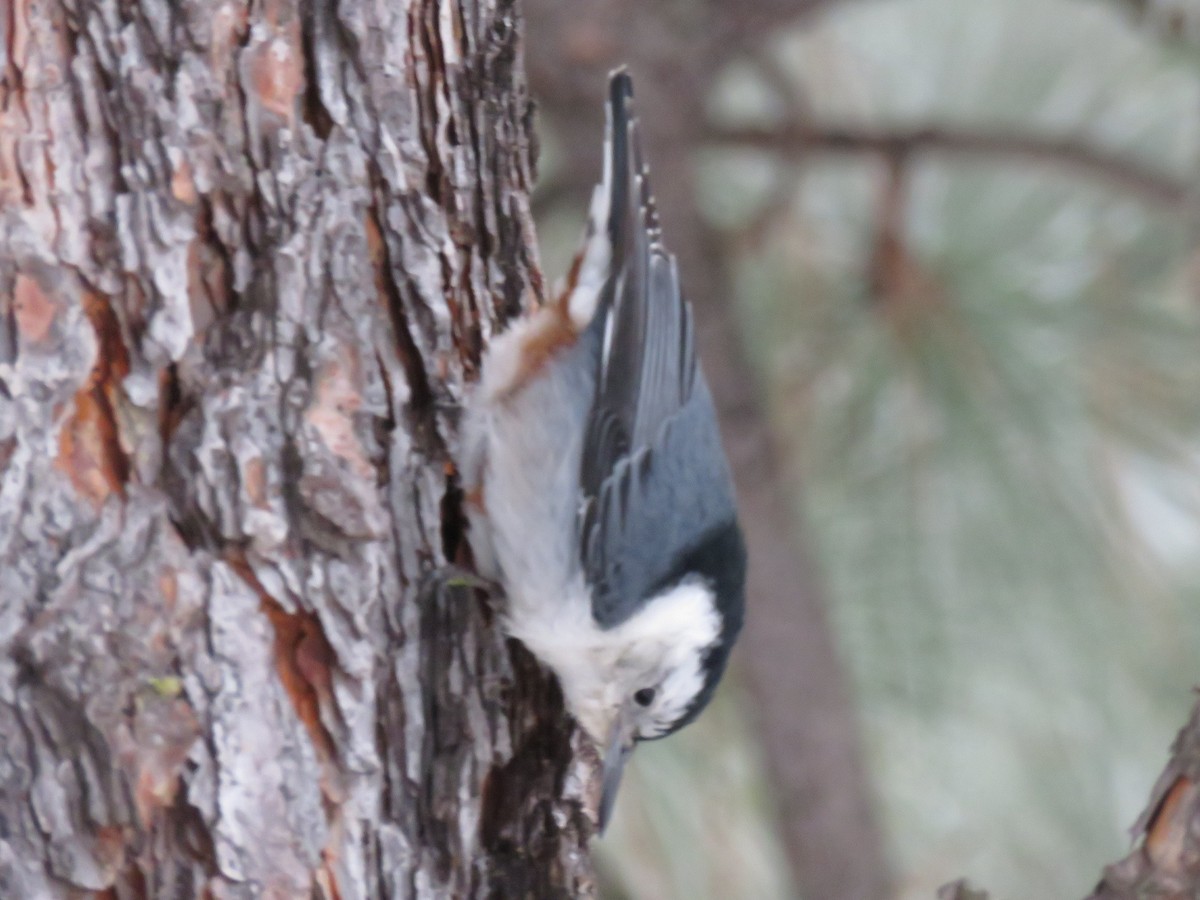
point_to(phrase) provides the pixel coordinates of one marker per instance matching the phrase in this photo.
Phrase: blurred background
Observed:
(946, 260)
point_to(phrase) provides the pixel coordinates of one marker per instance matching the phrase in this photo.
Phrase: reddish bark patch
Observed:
(183, 186)
(165, 730)
(377, 253)
(1167, 835)
(337, 398)
(326, 878)
(303, 659)
(14, 104)
(112, 358)
(254, 480)
(90, 450)
(276, 69)
(33, 309)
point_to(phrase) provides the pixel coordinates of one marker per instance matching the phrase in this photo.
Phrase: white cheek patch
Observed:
(671, 634)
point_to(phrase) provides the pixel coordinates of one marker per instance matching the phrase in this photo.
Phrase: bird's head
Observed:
(652, 675)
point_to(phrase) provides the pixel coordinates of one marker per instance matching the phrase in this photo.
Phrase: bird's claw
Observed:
(452, 576)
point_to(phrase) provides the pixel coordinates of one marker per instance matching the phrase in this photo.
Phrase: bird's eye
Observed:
(644, 697)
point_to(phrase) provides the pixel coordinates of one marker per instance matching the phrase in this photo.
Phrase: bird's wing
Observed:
(653, 475)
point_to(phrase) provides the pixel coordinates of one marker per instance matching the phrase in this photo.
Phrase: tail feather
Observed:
(622, 152)
(610, 224)
(647, 363)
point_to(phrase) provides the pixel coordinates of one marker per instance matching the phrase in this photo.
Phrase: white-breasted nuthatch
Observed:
(598, 493)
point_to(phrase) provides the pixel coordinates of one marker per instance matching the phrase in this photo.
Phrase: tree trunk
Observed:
(249, 255)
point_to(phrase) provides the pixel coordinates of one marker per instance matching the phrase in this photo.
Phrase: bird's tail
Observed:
(617, 203)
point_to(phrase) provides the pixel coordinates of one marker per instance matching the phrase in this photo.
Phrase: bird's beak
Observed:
(618, 749)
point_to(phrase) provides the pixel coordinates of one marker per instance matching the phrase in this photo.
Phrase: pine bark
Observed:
(250, 252)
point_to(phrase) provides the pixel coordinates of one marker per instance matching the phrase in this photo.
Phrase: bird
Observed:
(598, 495)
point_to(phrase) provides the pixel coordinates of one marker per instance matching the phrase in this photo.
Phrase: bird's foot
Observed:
(452, 576)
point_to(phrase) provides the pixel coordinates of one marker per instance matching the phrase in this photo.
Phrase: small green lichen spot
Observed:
(167, 686)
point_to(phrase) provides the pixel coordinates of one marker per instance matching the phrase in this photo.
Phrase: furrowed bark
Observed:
(250, 253)
(1165, 863)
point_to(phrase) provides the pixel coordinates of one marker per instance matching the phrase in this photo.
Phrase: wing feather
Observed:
(653, 477)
